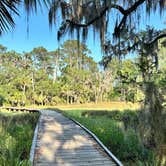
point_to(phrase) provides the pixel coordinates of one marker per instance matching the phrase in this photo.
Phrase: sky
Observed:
(40, 34)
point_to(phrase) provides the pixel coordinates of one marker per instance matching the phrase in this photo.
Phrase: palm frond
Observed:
(7, 8)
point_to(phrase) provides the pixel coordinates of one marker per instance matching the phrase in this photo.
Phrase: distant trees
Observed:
(77, 71)
(66, 76)
(42, 77)
(62, 76)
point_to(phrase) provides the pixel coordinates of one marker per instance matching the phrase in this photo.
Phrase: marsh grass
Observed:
(107, 106)
(16, 133)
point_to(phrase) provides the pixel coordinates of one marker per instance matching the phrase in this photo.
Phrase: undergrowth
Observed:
(16, 133)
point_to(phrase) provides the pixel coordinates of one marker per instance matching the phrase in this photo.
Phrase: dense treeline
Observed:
(66, 76)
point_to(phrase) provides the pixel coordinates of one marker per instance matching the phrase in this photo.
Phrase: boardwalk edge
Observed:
(34, 142)
(110, 154)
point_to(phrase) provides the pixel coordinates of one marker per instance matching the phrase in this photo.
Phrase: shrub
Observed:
(130, 119)
(114, 115)
(116, 142)
(126, 145)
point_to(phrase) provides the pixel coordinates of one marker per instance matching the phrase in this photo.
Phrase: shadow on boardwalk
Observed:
(61, 142)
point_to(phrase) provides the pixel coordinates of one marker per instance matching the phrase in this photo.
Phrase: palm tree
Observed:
(9, 8)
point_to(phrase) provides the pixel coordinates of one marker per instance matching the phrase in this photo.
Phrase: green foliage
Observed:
(16, 132)
(1, 100)
(56, 100)
(114, 114)
(41, 77)
(126, 145)
(127, 116)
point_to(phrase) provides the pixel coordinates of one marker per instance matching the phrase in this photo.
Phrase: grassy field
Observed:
(92, 106)
(101, 106)
(16, 133)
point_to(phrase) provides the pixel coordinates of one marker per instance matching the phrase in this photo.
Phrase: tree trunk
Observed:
(55, 73)
(33, 87)
(67, 98)
(24, 89)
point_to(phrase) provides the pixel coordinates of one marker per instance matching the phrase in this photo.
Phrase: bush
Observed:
(56, 100)
(116, 141)
(130, 119)
(114, 115)
(127, 145)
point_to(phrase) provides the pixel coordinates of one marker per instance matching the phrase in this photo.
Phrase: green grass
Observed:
(16, 133)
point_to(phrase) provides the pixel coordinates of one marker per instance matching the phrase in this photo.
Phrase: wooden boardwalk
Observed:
(61, 142)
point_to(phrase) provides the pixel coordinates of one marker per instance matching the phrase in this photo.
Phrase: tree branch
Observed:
(124, 12)
(156, 39)
(134, 6)
(121, 24)
(118, 8)
(97, 17)
(90, 22)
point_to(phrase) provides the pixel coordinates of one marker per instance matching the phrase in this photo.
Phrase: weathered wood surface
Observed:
(60, 142)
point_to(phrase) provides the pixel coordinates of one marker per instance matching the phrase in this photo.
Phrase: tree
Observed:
(81, 14)
(3, 49)
(6, 19)
(9, 8)
(71, 56)
(25, 77)
(76, 72)
(56, 59)
(30, 77)
(41, 59)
